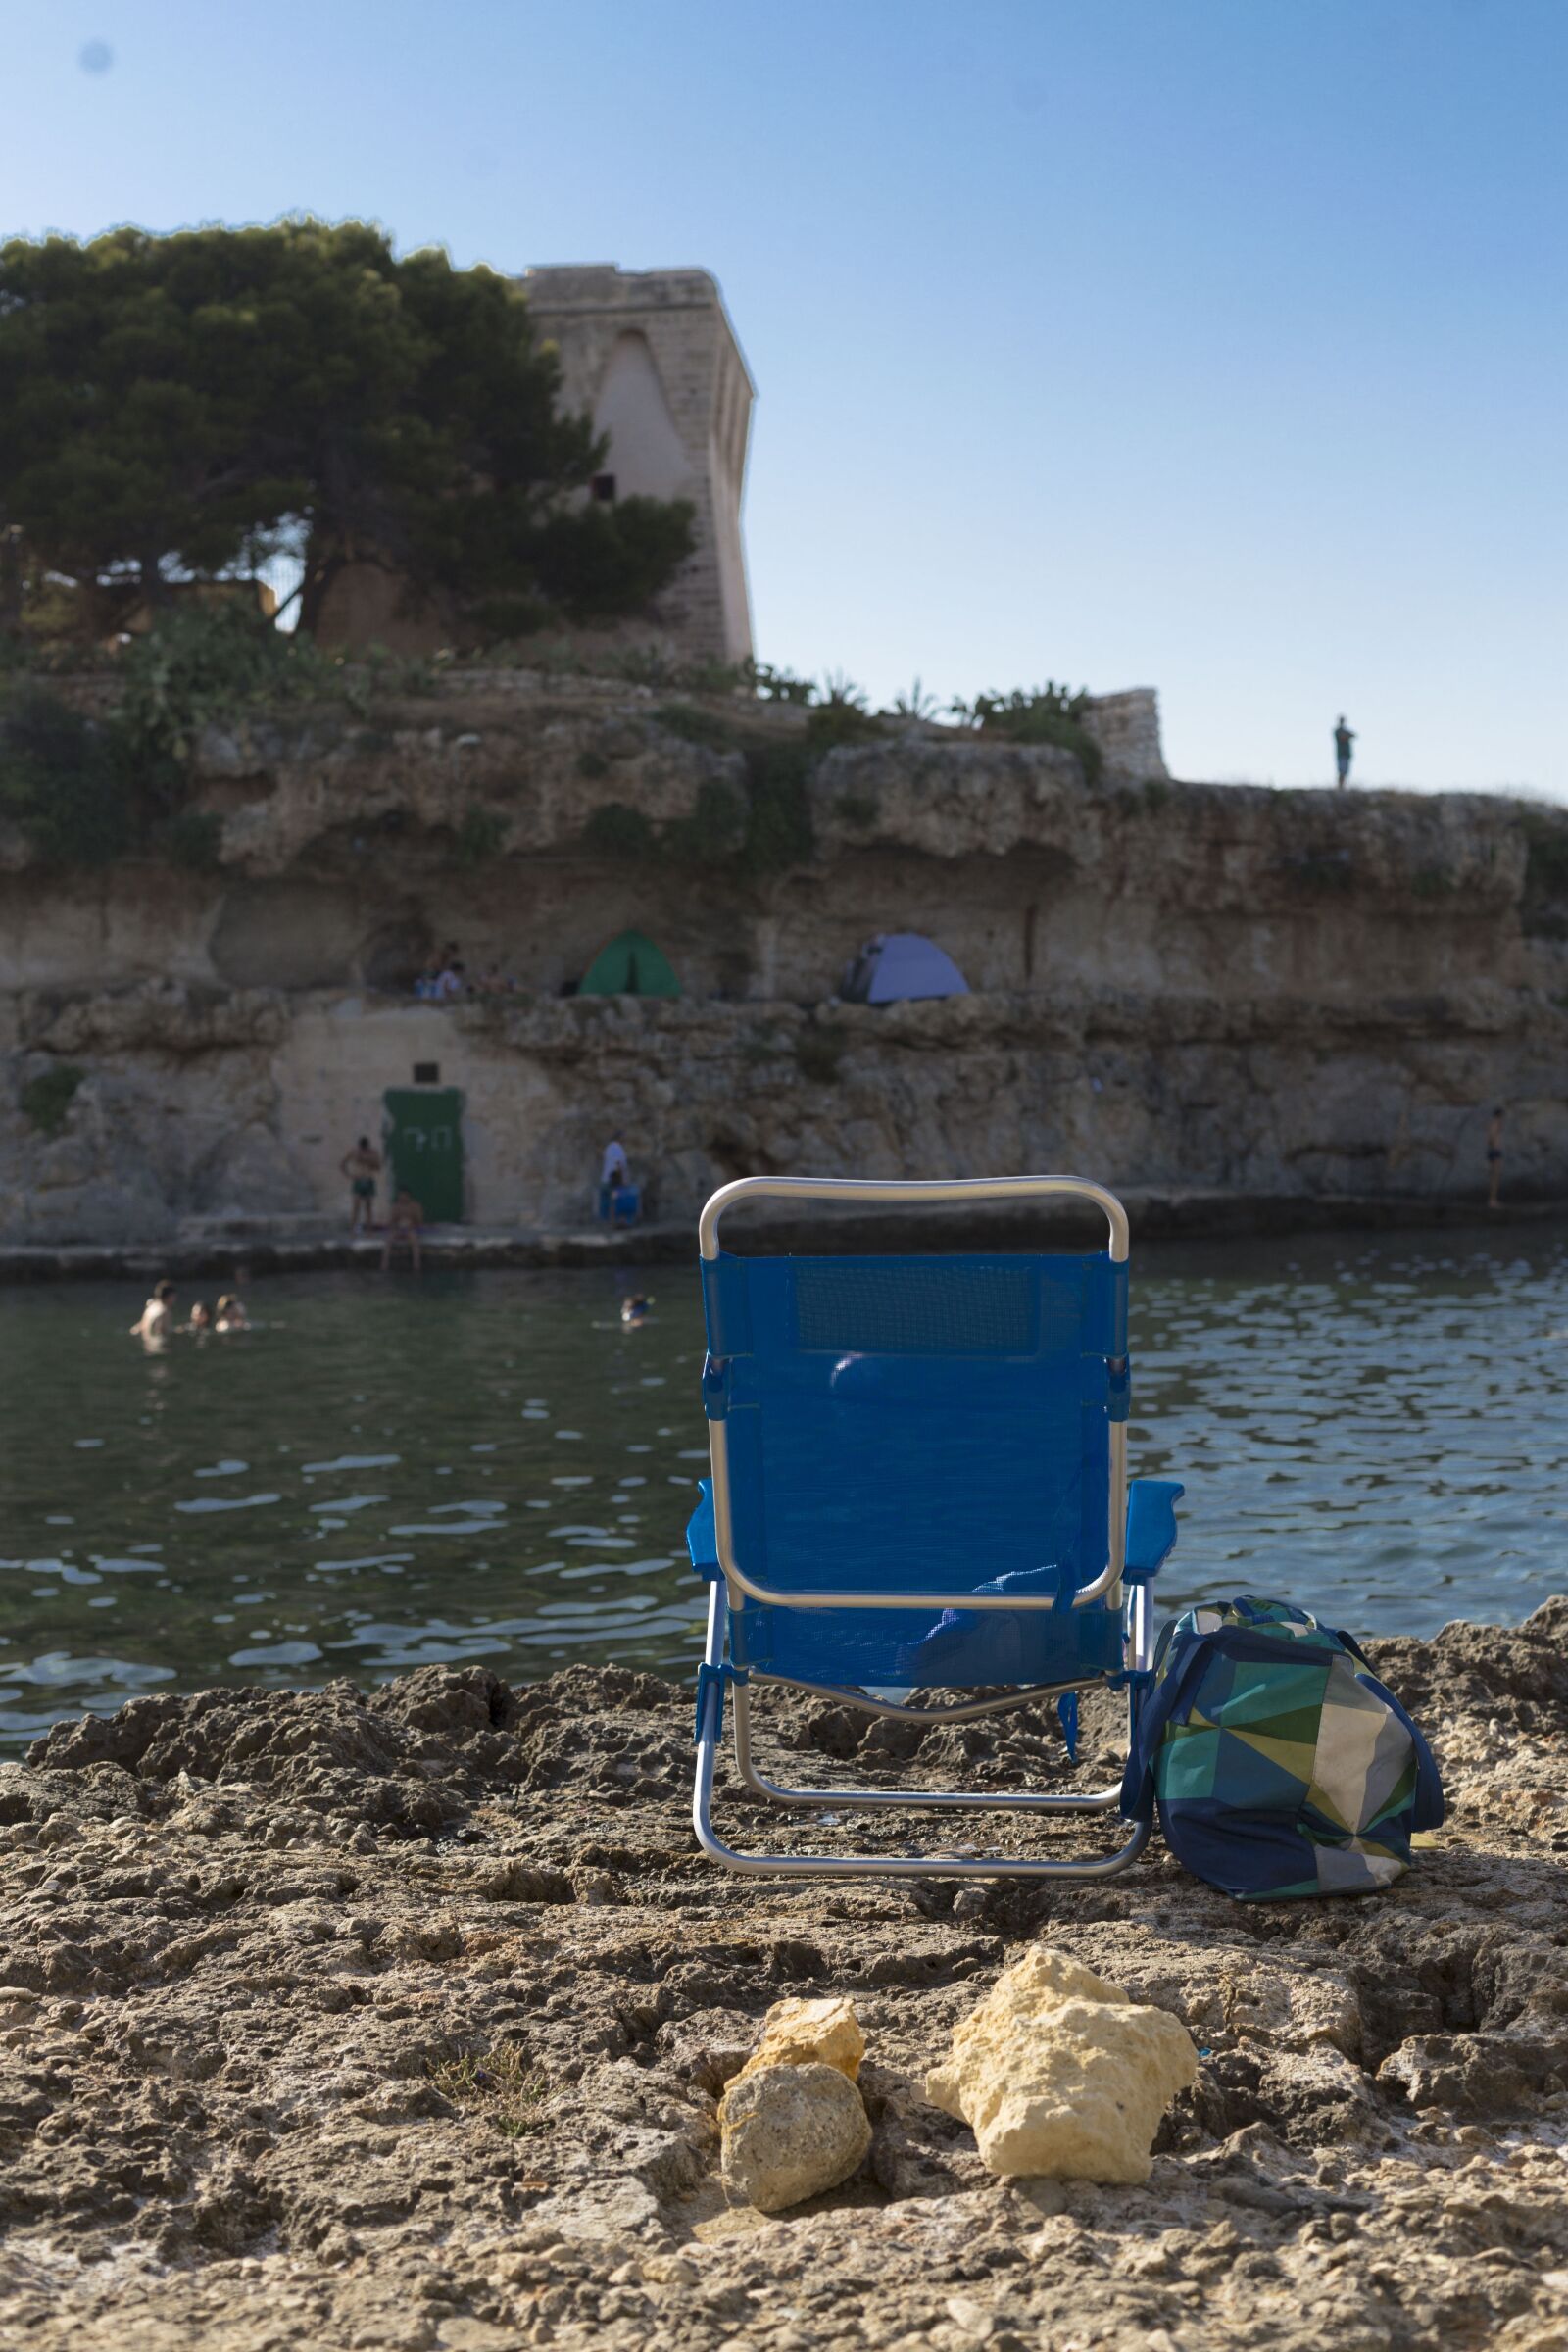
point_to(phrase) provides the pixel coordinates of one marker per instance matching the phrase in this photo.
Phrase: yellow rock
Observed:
(808, 2034)
(790, 2133)
(1059, 2075)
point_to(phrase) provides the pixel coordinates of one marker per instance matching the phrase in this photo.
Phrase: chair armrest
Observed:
(1151, 1526)
(702, 1541)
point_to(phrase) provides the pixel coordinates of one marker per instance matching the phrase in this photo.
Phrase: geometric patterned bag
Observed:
(1281, 1766)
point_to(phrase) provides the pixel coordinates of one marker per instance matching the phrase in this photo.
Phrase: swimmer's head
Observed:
(166, 1291)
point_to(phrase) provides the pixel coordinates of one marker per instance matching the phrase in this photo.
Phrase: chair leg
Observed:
(1096, 1800)
(874, 1866)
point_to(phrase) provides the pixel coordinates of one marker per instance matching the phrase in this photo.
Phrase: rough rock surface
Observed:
(401, 2021)
(1175, 984)
(790, 2132)
(1060, 2076)
(798, 2032)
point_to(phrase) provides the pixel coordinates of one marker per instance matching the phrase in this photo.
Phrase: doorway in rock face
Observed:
(422, 1130)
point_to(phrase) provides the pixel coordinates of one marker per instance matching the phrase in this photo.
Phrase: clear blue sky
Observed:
(1216, 345)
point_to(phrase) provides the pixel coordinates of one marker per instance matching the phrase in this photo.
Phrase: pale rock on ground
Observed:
(808, 2034)
(400, 2020)
(789, 2133)
(1060, 2076)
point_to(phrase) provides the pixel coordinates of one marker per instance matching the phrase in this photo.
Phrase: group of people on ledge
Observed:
(445, 978)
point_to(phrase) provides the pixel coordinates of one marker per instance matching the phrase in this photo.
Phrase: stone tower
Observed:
(650, 354)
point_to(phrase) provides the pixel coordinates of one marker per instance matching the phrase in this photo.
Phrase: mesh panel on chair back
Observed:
(916, 1424)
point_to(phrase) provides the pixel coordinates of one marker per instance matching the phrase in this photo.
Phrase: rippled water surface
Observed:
(488, 1466)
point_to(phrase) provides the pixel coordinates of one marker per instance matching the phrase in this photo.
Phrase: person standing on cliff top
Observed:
(1343, 739)
(1494, 1159)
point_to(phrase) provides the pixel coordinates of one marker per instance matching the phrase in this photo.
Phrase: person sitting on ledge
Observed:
(403, 1223)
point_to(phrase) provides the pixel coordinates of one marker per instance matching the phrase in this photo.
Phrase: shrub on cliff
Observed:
(1049, 714)
(62, 779)
(185, 407)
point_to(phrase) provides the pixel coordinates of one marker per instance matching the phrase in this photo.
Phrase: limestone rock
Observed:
(789, 2133)
(1059, 2075)
(798, 2032)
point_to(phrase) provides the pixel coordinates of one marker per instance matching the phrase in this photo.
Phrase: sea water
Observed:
(389, 1472)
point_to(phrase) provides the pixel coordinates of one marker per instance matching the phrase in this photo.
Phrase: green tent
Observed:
(630, 966)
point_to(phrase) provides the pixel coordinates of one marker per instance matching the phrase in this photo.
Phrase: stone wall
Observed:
(1175, 984)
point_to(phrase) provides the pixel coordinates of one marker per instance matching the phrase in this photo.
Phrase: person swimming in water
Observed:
(230, 1313)
(634, 1311)
(157, 1319)
(201, 1318)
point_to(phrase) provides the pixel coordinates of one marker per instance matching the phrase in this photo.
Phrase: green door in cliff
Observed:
(424, 1135)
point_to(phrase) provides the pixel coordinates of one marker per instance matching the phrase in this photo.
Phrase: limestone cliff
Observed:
(1282, 992)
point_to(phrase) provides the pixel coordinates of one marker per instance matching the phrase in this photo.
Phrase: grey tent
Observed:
(901, 963)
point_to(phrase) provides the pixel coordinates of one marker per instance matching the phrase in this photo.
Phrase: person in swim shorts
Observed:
(361, 1166)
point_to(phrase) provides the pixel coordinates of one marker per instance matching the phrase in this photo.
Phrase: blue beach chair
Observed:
(919, 1480)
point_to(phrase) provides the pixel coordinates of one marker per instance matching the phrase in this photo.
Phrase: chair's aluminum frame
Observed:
(732, 1588)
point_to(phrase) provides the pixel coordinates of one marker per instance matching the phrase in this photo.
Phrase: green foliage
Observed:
(917, 704)
(480, 837)
(63, 779)
(763, 830)
(616, 831)
(857, 807)
(46, 1099)
(778, 822)
(1546, 832)
(194, 839)
(772, 685)
(601, 560)
(499, 2086)
(708, 676)
(1002, 712)
(819, 1055)
(1157, 792)
(1049, 714)
(714, 832)
(1433, 882)
(207, 663)
(187, 406)
(714, 731)
(831, 723)
(592, 766)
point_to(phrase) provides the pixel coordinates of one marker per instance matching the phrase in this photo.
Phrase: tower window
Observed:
(604, 488)
(428, 1073)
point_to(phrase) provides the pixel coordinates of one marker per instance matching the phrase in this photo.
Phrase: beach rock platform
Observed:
(401, 2018)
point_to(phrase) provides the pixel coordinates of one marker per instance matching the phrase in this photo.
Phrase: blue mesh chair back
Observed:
(911, 1425)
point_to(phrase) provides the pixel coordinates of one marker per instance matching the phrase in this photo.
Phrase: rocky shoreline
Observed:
(400, 2018)
(256, 1245)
